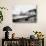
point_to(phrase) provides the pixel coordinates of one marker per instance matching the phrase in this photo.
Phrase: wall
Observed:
(23, 29)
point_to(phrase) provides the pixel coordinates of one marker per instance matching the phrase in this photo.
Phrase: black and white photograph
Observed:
(25, 14)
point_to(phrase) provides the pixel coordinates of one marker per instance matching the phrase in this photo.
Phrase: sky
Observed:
(23, 8)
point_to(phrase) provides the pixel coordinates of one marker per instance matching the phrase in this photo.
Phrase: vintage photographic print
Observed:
(25, 14)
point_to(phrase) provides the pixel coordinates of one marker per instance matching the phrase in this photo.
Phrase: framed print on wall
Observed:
(25, 13)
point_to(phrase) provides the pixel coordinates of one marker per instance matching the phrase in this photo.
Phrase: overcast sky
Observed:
(23, 8)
